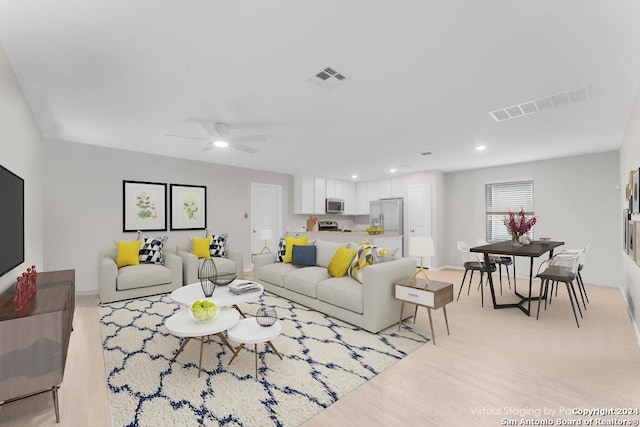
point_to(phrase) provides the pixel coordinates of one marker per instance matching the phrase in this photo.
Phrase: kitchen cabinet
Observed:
(384, 188)
(362, 199)
(349, 195)
(308, 195)
(320, 186)
(331, 188)
(397, 186)
(372, 191)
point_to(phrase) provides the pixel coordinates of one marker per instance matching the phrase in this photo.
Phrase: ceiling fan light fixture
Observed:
(221, 144)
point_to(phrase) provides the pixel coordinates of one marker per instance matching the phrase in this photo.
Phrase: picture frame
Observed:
(188, 207)
(144, 206)
(635, 207)
(632, 240)
(625, 230)
(637, 251)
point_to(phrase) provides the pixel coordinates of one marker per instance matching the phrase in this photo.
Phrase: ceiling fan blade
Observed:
(244, 148)
(211, 130)
(187, 137)
(248, 138)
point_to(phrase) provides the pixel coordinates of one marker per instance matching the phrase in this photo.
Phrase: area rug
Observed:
(323, 360)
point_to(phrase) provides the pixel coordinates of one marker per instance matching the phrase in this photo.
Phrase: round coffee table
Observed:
(182, 325)
(247, 331)
(189, 293)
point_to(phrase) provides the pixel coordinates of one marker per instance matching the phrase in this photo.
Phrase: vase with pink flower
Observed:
(518, 225)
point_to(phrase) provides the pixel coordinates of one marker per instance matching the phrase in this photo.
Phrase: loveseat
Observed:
(134, 281)
(370, 305)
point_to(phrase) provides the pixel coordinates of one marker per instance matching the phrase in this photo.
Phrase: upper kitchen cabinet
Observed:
(349, 196)
(362, 199)
(309, 193)
(390, 187)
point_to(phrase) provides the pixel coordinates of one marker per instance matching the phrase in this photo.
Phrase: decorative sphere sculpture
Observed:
(266, 316)
(208, 275)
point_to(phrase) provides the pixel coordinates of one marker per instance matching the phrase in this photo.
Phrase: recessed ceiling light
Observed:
(393, 170)
(221, 144)
(354, 176)
(480, 147)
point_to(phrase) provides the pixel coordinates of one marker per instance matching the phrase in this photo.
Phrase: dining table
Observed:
(533, 250)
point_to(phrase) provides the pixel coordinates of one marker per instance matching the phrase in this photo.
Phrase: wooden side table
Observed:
(416, 291)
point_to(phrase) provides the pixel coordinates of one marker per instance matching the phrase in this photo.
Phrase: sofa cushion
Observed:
(281, 250)
(218, 245)
(141, 276)
(151, 250)
(342, 292)
(200, 246)
(128, 253)
(289, 242)
(304, 280)
(326, 250)
(340, 262)
(363, 258)
(303, 255)
(274, 273)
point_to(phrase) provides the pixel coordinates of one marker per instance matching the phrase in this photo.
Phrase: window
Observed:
(503, 197)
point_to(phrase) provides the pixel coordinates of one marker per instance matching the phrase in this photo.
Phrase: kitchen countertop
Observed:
(343, 233)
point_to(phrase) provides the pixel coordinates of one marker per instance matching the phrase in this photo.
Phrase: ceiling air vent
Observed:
(425, 153)
(533, 106)
(327, 78)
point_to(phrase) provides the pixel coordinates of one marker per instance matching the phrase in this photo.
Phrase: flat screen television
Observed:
(11, 220)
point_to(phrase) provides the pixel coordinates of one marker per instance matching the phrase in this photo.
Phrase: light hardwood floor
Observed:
(495, 365)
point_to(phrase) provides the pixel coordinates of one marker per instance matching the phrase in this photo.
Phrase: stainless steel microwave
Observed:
(334, 206)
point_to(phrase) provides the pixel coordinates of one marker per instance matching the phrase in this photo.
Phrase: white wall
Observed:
(21, 153)
(83, 202)
(630, 159)
(575, 199)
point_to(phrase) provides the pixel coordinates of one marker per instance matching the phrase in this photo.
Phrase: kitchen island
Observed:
(384, 240)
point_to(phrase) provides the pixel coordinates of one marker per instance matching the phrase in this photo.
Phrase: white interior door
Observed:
(266, 214)
(420, 214)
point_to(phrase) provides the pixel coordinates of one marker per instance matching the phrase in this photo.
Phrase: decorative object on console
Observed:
(422, 247)
(144, 206)
(208, 273)
(518, 225)
(266, 316)
(265, 234)
(25, 288)
(188, 207)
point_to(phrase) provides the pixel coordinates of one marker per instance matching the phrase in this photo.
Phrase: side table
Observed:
(416, 291)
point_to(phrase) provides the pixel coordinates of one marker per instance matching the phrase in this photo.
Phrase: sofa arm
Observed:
(378, 291)
(238, 257)
(189, 267)
(260, 260)
(174, 263)
(107, 275)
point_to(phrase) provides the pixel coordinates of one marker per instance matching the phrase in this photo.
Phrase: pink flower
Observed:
(518, 224)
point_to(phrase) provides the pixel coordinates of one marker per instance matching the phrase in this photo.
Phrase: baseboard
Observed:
(633, 321)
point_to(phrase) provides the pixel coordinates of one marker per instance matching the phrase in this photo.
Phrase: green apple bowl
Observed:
(204, 310)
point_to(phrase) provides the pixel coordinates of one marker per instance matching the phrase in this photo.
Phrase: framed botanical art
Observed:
(625, 230)
(188, 207)
(144, 206)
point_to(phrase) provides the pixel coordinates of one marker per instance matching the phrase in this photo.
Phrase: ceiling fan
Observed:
(220, 138)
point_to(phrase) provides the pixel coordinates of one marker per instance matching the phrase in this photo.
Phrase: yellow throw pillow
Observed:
(128, 253)
(289, 242)
(201, 247)
(340, 262)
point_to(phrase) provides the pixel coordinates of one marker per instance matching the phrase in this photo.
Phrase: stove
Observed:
(327, 225)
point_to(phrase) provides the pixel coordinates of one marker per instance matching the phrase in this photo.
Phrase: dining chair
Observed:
(563, 267)
(581, 260)
(472, 262)
(499, 261)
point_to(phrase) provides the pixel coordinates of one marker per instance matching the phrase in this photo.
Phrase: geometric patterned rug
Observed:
(323, 360)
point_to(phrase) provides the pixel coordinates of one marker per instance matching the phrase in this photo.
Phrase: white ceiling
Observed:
(422, 75)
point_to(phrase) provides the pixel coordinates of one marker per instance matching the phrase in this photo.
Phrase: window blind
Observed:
(501, 198)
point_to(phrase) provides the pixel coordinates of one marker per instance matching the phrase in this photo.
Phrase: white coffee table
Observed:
(248, 331)
(185, 295)
(182, 325)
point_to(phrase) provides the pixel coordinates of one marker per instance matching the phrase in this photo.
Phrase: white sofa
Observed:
(135, 281)
(233, 264)
(370, 305)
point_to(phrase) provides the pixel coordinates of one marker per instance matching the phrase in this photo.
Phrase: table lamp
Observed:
(265, 235)
(421, 247)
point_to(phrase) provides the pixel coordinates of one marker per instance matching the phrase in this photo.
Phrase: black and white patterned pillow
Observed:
(151, 250)
(218, 245)
(282, 248)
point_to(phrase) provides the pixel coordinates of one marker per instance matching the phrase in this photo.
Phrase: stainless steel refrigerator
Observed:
(387, 214)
